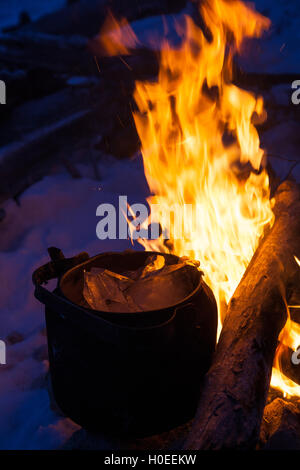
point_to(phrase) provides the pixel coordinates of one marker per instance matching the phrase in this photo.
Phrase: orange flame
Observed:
(288, 338)
(116, 37)
(212, 190)
(181, 123)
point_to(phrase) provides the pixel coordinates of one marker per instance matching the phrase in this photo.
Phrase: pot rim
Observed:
(131, 314)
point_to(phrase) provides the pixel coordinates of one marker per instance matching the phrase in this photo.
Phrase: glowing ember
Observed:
(201, 149)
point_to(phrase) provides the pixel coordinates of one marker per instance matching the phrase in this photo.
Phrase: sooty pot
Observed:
(135, 373)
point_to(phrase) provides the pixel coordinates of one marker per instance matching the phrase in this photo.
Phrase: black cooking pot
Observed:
(137, 373)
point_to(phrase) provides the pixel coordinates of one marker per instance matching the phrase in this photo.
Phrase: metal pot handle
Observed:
(57, 266)
(117, 334)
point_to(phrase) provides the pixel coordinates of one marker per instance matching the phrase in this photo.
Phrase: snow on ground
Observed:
(57, 211)
(278, 51)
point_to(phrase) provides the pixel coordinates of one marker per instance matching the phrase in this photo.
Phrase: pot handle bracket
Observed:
(57, 266)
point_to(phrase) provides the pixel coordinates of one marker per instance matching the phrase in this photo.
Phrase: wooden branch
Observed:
(236, 386)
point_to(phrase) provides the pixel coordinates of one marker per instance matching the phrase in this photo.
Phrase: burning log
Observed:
(280, 429)
(236, 386)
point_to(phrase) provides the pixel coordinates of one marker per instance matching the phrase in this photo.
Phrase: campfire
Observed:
(227, 246)
(200, 147)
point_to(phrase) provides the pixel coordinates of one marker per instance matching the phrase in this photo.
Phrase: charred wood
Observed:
(280, 429)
